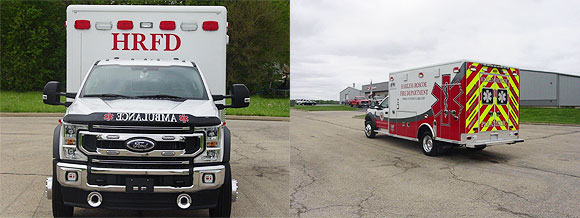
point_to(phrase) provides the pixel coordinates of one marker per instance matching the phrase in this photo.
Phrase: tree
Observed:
(33, 40)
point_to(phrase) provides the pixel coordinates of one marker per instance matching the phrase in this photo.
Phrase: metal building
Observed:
(349, 93)
(380, 90)
(541, 88)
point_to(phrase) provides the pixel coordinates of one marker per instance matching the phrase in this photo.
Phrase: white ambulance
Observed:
(144, 127)
(462, 103)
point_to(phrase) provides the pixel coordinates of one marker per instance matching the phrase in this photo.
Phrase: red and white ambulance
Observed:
(462, 103)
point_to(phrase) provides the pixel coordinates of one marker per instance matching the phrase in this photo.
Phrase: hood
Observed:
(200, 108)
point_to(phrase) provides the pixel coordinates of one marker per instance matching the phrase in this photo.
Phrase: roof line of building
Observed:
(542, 71)
(351, 88)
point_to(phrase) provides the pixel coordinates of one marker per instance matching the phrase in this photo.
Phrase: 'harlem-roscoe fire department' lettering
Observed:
(147, 117)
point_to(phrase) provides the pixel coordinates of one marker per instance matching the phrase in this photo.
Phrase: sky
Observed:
(335, 43)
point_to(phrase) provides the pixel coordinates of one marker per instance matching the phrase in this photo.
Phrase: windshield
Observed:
(145, 82)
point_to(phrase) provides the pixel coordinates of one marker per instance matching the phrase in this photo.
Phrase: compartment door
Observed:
(450, 98)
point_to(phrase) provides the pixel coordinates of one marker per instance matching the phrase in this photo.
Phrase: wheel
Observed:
(224, 205)
(58, 207)
(430, 146)
(479, 148)
(369, 130)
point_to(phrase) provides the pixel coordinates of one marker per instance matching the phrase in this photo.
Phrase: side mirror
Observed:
(240, 97)
(51, 93)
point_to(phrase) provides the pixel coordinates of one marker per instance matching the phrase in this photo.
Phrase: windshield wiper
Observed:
(109, 95)
(161, 96)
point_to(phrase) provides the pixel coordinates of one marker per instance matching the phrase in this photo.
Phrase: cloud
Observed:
(337, 43)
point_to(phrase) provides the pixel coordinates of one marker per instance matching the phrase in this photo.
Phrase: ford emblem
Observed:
(140, 145)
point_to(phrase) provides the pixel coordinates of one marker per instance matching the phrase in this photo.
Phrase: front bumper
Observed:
(163, 197)
(82, 181)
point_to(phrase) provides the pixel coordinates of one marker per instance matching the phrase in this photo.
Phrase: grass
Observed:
(550, 115)
(326, 108)
(259, 106)
(26, 102)
(32, 102)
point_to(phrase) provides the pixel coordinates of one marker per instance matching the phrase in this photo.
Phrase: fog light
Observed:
(71, 176)
(212, 155)
(208, 178)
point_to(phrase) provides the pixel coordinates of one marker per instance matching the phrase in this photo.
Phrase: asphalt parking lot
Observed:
(260, 163)
(337, 172)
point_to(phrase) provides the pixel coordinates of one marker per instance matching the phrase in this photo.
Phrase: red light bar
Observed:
(167, 25)
(82, 24)
(210, 25)
(124, 24)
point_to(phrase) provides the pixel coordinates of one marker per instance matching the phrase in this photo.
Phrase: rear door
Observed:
(491, 104)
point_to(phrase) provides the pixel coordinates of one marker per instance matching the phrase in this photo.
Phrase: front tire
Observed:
(369, 130)
(58, 207)
(224, 205)
(429, 145)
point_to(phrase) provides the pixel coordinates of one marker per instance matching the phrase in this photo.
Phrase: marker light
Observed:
(167, 25)
(189, 26)
(82, 24)
(146, 24)
(456, 70)
(69, 141)
(124, 24)
(210, 25)
(103, 25)
(421, 75)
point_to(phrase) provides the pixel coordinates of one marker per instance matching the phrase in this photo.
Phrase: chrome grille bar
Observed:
(140, 162)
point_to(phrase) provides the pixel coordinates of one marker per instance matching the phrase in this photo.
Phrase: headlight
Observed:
(68, 142)
(213, 145)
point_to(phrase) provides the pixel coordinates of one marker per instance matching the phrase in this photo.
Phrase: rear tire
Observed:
(224, 205)
(369, 130)
(58, 207)
(429, 145)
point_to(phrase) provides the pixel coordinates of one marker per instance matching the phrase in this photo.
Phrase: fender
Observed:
(55, 142)
(370, 117)
(430, 128)
(227, 145)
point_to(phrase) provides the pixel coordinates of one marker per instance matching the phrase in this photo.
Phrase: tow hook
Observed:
(234, 190)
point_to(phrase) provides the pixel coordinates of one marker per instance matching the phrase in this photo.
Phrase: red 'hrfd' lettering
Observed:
(140, 41)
